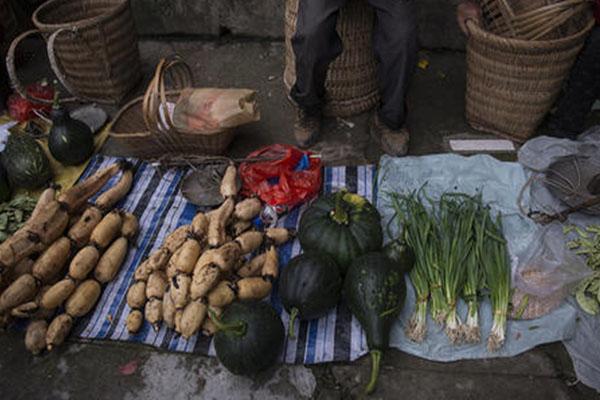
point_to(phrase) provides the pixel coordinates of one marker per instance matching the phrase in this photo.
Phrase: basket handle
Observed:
(12, 71)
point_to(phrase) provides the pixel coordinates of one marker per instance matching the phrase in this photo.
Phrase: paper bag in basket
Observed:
(213, 110)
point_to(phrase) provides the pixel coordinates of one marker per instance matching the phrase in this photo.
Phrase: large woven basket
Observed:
(351, 86)
(142, 129)
(92, 47)
(513, 83)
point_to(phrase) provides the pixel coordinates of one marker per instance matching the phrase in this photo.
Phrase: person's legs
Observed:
(583, 88)
(316, 44)
(395, 45)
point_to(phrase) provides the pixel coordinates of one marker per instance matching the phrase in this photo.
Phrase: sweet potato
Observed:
(249, 241)
(186, 256)
(200, 225)
(204, 279)
(110, 262)
(83, 299)
(222, 294)
(192, 318)
(82, 230)
(58, 330)
(77, 196)
(20, 291)
(176, 238)
(156, 285)
(83, 262)
(271, 265)
(153, 312)
(253, 288)
(107, 230)
(218, 221)
(58, 293)
(136, 295)
(180, 290)
(112, 196)
(247, 209)
(50, 264)
(134, 321)
(130, 226)
(229, 186)
(35, 336)
(252, 267)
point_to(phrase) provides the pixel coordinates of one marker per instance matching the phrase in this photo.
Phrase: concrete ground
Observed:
(111, 370)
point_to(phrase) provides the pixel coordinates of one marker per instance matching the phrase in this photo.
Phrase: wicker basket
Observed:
(141, 129)
(513, 83)
(92, 47)
(351, 86)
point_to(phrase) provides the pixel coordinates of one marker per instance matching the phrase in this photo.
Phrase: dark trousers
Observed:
(316, 44)
(583, 88)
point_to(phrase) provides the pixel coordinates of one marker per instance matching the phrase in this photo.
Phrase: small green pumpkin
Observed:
(400, 254)
(26, 164)
(250, 337)
(342, 225)
(310, 285)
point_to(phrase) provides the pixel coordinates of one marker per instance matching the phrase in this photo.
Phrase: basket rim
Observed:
(478, 32)
(118, 7)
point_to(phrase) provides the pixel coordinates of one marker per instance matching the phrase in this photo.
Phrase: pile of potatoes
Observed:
(202, 267)
(63, 255)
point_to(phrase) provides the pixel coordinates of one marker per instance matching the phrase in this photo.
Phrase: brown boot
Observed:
(307, 127)
(393, 142)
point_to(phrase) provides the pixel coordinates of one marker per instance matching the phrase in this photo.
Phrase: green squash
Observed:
(401, 255)
(375, 291)
(26, 164)
(70, 141)
(309, 286)
(342, 225)
(250, 337)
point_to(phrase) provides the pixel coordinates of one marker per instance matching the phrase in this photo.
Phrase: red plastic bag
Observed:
(21, 109)
(289, 178)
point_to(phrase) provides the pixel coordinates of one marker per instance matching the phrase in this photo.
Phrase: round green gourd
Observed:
(70, 141)
(26, 164)
(309, 286)
(342, 225)
(250, 337)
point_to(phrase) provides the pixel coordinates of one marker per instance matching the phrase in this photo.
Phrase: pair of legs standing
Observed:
(316, 44)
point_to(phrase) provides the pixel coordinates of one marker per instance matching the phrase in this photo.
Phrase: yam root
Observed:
(247, 209)
(77, 196)
(50, 264)
(35, 336)
(253, 288)
(240, 227)
(58, 330)
(204, 279)
(159, 259)
(229, 186)
(169, 309)
(249, 241)
(156, 285)
(186, 256)
(20, 291)
(84, 262)
(83, 299)
(112, 196)
(50, 223)
(107, 230)
(200, 225)
(33, 309)
(271, 265)
(178, 315)
(134, 321)
(110, 262)
(25, 266)
(48, 195)
(136, 295)
(218, 221)
(19, 246)
(192, 318)
(225, 257)
(82, 230)
(58, 293)
(222, 295)
(252, 267)
(279, 236)
(180, 290)
(153, 312)
(176, 238)
(130, 226)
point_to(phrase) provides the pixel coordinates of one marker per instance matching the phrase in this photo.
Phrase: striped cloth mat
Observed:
(156, 201)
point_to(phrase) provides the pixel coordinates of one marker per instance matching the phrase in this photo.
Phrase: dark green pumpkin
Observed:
(343, 225)
(70, 141)
(250, 337)
(309, 286)
(401, 255)
(26, 164)
(375, 290)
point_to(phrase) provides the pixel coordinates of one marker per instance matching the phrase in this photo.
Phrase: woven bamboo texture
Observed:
(351, 86)
(513, 83)
(92, 46)
(144, 130)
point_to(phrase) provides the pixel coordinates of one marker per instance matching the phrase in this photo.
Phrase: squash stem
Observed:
(238, 328)
(339, 214)
(291, 330)
(375, 363)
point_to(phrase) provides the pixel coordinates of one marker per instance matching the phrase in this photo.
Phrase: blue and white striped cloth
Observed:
(156, 201)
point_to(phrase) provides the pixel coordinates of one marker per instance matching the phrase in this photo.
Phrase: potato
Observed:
(253, 288)
(58, 293)
(180, 290)
(204, 279)
(35, 336)
(107, 230)
(186, 256)
(130, 226)
(136, 295)
(51, 262)
(252, 267)
(83, 299)
(249, 241)
(169, 309)
(82, 230)
(111, 261)
(134, 321)
(176, 238)
(229, 186)
(199, 226)
(108, 199)
(58, 330)
(83, 262)
(247, 209)
(192, 318)
(222, 295)
(153, 312)
(20, 291)
(156, 285)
